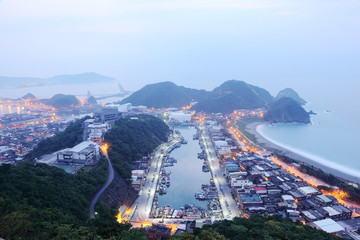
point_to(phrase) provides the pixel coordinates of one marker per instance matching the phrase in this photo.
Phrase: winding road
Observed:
(103, 148)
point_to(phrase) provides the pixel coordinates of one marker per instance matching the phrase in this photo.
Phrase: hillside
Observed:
(91, 100)
(138, 138)
(226, 98)
(289, 92)
(79, 78)
(44, 202)
(61, 101)
(286, 110)
(233, 95)
(28, 96)
(165, 95)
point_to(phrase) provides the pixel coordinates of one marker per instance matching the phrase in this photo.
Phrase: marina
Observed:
(191, 193)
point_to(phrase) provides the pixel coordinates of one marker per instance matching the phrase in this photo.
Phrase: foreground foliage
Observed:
(44, 202)
(256, 228)
(37, 202)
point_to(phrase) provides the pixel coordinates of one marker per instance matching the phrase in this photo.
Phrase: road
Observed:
(103, 148)
(143, 204)
(227, 202)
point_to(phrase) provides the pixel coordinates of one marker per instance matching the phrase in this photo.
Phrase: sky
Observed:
(309, 45)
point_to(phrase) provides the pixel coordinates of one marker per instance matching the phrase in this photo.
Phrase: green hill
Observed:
(44, 202)
(286, 110)
(165, 95)
(226, 98)
(61, 101)
(289, 92)
(233, 95)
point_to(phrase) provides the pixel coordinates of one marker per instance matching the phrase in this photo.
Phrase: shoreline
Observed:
(262, 141)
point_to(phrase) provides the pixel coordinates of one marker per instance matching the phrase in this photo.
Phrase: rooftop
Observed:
(328, 225)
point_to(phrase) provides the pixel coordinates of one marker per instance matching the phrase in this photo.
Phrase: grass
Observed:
(242, 123)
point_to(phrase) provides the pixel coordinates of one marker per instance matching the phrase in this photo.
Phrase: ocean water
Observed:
(96, 89)
(332, 139)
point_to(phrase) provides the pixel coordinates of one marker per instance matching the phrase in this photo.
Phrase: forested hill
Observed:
(165, 95)
(229, 96)
(289, 92)
(131, 139)
(233, 95)
(61, 101)
(286, 110)
(44, 202)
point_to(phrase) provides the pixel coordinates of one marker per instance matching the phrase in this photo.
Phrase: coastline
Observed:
(251, 128)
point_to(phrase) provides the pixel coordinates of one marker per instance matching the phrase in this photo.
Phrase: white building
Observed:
(179, 117)
(82, 153)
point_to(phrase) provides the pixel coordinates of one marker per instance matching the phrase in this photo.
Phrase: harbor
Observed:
(185, 187)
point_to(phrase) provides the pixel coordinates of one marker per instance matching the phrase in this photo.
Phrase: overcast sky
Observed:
(304, 44)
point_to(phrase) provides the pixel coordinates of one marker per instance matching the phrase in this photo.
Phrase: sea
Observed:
(332, 139)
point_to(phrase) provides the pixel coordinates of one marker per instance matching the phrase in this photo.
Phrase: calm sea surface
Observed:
(332, 139)
(186, 175)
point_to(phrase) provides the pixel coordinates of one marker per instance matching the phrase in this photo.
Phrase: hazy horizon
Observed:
(310, 46)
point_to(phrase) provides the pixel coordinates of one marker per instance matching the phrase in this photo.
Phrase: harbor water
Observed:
(186, 175)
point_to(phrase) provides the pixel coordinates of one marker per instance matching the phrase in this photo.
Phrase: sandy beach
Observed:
(251, 128)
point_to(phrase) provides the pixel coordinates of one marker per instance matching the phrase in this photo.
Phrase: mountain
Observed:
(83, 78)
(233, 95)
(91, 100)
(79, 78)
(286, 110)
(289, 92)
(165, 95)
(61, 101)
(28, 96)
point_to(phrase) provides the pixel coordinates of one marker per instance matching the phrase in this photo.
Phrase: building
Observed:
(82, 153)
(328, 225)
(109, 114)
(158, 232)
(179, 117)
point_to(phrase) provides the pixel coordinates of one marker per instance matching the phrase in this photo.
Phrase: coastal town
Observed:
(245, 179)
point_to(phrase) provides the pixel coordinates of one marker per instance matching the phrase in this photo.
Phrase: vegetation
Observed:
(132, 139)
(232, 95)
(61, 101)
(353, 193)
(289, 92)
(71, 136)
(226, 98)
(164, 95)
(286, 110)
(257, 227)
(242, 123)
(39, 202)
